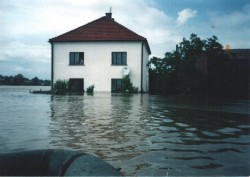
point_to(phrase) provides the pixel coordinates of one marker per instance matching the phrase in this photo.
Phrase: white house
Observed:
(100, 53)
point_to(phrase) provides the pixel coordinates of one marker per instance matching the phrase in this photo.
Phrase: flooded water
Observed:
(142, 134)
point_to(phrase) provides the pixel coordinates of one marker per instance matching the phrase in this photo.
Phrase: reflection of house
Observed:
(99, 53)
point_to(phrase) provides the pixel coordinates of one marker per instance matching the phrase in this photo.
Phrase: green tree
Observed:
(178, 72)
(213, 47)
(18, 79)
(35, 81)
(8, 80)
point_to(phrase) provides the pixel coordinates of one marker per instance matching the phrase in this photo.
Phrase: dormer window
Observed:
(76, 58)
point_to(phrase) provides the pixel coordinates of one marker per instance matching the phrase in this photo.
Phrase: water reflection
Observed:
(150, 135)
(102, 125)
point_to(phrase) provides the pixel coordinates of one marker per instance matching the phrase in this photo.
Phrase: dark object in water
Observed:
(54, 163)
(41, 91)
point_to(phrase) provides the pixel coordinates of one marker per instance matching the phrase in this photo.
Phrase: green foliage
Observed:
(35, 81)
(128, 86)
(19, 79)
(178, 72)
(90, 89)
(60, 86)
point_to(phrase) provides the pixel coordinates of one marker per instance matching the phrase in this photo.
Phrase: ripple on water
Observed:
(208, 166)
(229, 130)
(191, 129)
(244, 126)
(163, 128)
(181, 125)
(212, 134)
(166, 120)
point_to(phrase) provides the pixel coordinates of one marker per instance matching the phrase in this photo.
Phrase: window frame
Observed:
(119, 58)
(75, 58)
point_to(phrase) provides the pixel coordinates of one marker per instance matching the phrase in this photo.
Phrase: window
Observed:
(76, 58)
(119, 58)
(76, 85)
(116, 85)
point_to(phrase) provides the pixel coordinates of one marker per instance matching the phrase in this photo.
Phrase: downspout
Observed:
(52, 66)
(142, 67)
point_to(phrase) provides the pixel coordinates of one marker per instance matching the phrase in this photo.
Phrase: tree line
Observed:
(19, 79)
(198, 67)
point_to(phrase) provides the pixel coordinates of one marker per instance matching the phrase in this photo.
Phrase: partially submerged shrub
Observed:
(60, 86)
(90, 89)
(128, 86)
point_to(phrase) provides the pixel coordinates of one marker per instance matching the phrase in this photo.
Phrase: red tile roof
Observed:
(102, 29)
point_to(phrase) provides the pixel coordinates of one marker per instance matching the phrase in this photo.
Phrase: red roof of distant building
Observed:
(102, 29)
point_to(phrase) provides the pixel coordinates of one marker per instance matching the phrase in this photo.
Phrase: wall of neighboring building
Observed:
(239, 54)
(97, 68)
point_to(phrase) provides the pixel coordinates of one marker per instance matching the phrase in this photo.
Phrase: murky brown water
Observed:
(142, 134)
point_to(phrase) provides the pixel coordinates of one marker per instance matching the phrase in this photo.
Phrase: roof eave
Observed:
(145, 40)
(102, 40)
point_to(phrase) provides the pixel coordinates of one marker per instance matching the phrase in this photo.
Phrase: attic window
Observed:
(76, 58)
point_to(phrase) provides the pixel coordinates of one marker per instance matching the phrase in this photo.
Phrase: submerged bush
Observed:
(60, 86)
(90, 89)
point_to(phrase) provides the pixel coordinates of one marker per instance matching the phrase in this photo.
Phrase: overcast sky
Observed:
(27, 25)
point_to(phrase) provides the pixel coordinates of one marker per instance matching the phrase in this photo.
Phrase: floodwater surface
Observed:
(141, 134)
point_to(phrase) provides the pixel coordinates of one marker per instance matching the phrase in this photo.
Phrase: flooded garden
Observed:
(141, 134)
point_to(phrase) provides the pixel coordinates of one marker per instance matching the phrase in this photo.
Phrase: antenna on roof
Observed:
(109, 15)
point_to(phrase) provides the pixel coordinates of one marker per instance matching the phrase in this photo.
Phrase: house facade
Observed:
(100, 53)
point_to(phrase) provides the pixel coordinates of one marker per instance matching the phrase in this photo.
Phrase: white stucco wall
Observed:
(97, 68)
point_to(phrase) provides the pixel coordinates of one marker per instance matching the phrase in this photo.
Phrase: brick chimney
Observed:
(109, 15)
